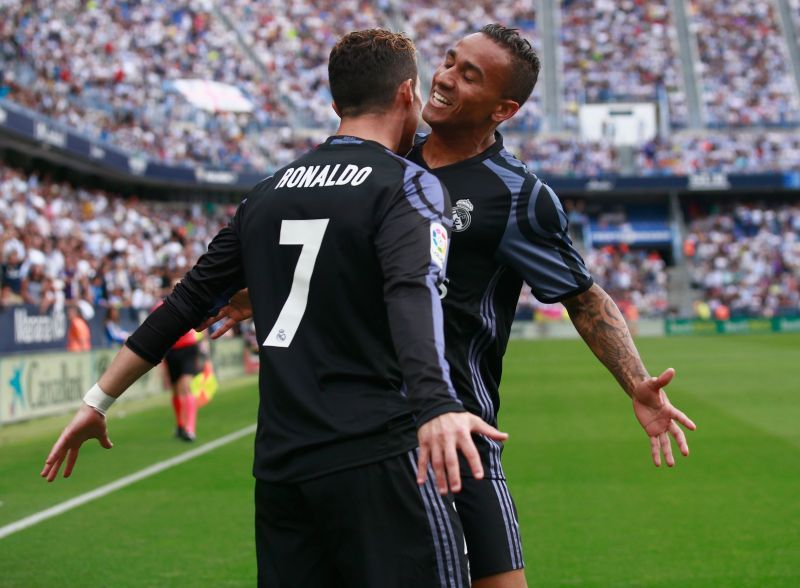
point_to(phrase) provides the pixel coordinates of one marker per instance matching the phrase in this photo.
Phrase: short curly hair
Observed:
(366, 67)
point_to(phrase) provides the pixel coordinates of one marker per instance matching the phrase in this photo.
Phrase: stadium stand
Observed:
(61, 243)
(744, 64)
(292, 41)
(619, 51)
(745, 259)
(108, 69)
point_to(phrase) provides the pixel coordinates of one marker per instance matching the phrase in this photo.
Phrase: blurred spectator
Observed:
(11, 278)
(115, 334)
(78, 335)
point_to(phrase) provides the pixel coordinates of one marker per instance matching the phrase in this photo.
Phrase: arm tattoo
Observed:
(600, 323)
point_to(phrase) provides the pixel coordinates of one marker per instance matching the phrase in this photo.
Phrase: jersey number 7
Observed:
(309, 234)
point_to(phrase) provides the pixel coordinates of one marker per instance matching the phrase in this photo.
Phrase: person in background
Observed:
(11, 278)
(182, 361)
(78, 334)
(115, 334)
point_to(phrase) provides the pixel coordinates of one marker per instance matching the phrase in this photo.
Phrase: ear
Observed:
(406, 91)
(336, 109)
(505, 110)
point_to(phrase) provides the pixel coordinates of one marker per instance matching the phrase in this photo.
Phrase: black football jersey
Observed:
(342, 252)
(508, 226)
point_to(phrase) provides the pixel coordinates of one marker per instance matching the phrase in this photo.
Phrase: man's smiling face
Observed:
(470, 84)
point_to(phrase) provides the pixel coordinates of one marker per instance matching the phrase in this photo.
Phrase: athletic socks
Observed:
(176, 406)
(189, 406)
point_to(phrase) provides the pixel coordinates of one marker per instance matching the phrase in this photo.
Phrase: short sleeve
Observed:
(536, 244)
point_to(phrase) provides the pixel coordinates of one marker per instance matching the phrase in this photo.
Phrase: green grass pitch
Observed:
(593, 509)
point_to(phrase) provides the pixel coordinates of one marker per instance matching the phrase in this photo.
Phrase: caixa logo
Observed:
(17, 393)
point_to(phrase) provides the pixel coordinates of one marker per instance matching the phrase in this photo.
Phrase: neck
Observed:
(448, 146)
(381, 128)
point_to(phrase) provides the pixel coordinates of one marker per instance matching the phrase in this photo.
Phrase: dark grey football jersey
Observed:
(342, 251)
(508, 227)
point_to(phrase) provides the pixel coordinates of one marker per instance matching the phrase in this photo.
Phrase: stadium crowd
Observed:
(636, 279)
(60, 244)
(744, 65)
(293, 41)
(682, 154)
(108, 69)
(616, 50)
(745, 259)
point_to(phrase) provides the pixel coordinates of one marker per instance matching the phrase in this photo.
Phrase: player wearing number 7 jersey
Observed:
(342, 252)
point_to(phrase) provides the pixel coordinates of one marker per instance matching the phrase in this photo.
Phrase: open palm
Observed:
(659, 418)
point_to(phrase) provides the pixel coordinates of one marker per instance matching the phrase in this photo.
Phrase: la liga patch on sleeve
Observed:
(438, 244)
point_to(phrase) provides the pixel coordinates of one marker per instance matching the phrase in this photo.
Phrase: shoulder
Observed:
(421, 189)
(414, 173)
(506, 160)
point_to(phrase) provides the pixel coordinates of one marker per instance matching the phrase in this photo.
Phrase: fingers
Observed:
(72, 456)
(453, 480)
(224, 328)
(665, 378)
(422, 465)
(437, 461)
(666, 449)
(467, 447)
(51, 475)
(52, 459)
(655, 452)
(478, 425)
(683, 419)
(48, 465)
(680, 438)
(105, 441)
(204, 325)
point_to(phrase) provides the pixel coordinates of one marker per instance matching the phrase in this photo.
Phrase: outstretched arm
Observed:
(89, 423)
(183, 308)
(600, 323)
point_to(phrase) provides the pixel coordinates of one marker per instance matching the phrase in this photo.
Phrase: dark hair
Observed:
(366, 68)
(524, 61)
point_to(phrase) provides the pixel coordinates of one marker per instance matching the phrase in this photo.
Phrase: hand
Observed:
(87, 424)
(440, 439)
(657, 417)
(237, 310)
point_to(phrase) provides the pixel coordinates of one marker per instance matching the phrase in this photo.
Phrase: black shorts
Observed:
(182, 362)
(366, 526)
(491, 527)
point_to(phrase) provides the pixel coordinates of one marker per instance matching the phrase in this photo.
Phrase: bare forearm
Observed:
(125, 369)
(600, 323)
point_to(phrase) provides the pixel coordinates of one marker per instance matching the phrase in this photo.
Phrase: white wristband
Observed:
(98, 400)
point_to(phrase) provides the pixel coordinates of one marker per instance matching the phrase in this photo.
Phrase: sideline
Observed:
(82, 499)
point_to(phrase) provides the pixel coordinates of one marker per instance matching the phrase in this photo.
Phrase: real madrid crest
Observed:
(461, 215)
